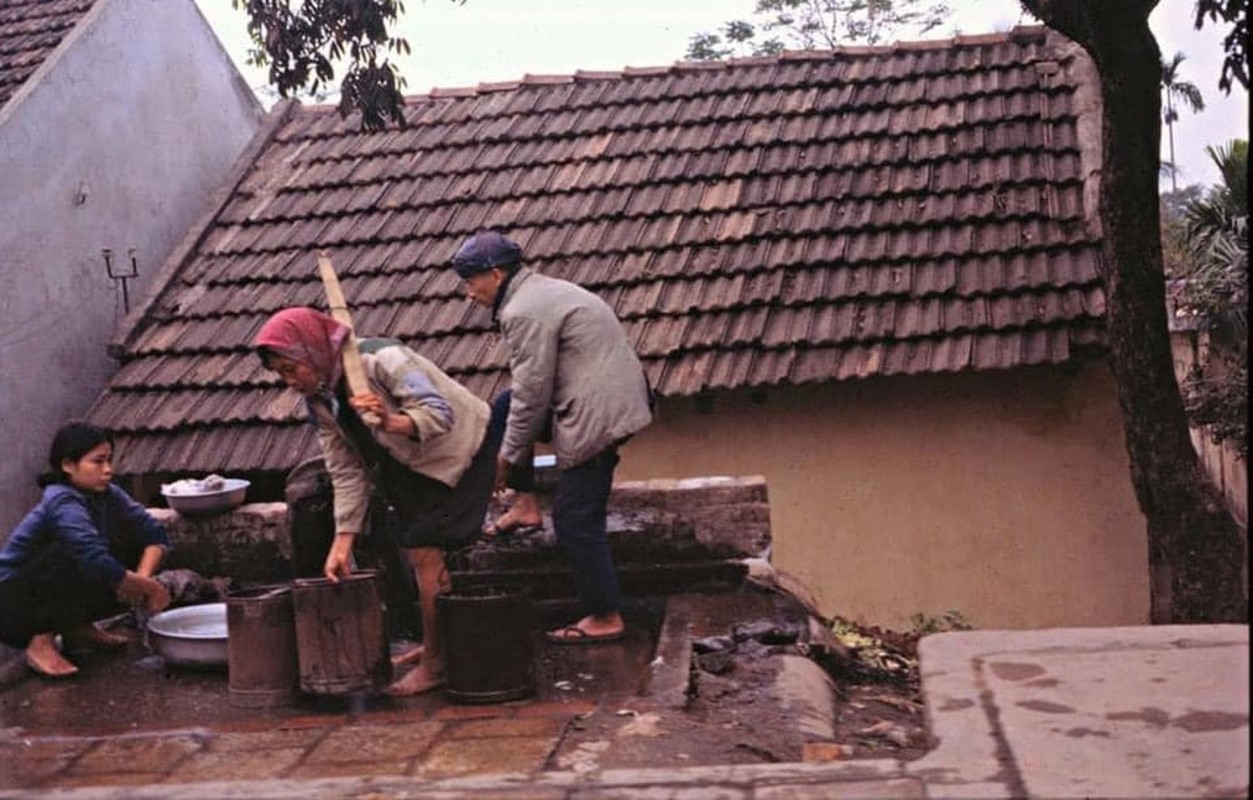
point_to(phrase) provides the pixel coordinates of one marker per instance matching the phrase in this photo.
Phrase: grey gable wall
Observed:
(117, 141)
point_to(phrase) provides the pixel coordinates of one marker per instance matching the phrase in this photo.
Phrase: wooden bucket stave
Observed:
(341, 635)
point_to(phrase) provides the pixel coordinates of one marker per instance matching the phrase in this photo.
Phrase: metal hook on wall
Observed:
(133, 272)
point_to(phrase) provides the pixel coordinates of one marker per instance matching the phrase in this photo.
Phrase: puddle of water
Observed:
(136, 690)
(610, 670)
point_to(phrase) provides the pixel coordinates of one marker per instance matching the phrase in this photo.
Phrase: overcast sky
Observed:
(456, 45)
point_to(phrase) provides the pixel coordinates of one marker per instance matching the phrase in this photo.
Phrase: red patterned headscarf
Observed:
(308, 336)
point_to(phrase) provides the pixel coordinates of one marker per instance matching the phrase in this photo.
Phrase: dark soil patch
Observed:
(878, 709)
(881, 720)
(735, 715)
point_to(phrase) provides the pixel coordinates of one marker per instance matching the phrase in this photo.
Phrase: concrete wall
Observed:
(1003, 496)
(116, 142)
(1221, 460)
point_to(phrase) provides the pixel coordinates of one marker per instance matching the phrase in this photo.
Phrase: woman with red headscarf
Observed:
(430, 453)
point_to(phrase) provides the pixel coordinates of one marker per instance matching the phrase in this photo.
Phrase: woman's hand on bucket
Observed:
(339, 559)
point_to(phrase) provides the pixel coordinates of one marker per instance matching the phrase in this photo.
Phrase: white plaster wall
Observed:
(141, 111)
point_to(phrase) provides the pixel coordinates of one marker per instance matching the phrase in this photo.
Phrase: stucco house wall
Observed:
(873, 485)
(117, 141)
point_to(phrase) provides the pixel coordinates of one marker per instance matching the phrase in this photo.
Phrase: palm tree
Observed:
(1186, 93)
(1216, 289)
(1216, 229)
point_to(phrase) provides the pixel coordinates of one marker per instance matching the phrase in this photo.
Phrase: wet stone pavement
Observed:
(127, 719)
(1010, 714)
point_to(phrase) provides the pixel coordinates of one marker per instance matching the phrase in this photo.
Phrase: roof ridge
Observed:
(1017, 33)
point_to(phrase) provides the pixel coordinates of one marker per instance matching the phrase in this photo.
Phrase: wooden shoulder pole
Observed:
(354, 372)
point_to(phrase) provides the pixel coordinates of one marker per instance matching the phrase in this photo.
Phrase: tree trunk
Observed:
(1196, 550)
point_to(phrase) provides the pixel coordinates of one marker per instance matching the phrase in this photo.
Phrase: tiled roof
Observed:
(29, 31)
(811, 217)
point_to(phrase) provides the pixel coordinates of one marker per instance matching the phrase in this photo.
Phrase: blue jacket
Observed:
(84, 525)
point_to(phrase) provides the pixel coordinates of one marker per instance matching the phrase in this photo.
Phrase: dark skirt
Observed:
(427, 513)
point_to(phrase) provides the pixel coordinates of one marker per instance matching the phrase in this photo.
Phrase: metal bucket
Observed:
(261, 647)
(488, 644)
(341, 635)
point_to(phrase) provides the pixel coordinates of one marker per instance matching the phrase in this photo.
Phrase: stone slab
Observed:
(1159, 711)
(809, 692)
(238, 765)
(669, 677)
(147, 754)
(359, 743)
(453, 757)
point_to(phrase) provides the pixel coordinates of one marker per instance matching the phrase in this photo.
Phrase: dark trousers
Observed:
(50, 595)
(580, 508)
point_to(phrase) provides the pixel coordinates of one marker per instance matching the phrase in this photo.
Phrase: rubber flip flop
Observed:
(412, 656)
(493, 530)
(573, 634)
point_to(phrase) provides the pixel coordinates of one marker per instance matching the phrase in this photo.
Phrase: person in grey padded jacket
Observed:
(577, 383)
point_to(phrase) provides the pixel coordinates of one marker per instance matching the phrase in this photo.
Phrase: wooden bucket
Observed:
(261, 647)
(488, 644)
(341, 636)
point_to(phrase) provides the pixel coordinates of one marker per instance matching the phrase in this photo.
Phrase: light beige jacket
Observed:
(451, 423)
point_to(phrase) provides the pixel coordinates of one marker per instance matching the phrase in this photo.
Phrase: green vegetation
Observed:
(305, 43)
(948, 621)
(1209, 243)
(871, 655)
(816, 24)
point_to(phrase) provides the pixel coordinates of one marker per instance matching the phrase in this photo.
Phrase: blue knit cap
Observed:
(485, 250)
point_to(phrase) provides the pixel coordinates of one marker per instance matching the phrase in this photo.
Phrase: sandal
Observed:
(573, 634)
(492, 530)
(412, 656)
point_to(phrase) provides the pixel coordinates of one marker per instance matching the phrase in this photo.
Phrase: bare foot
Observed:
(408, 658)
(420, 679)
(524, 513)
(43, 657)
(88, 635)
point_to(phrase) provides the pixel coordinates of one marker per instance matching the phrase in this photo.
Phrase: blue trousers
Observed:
(50, 595)
(580, 508)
